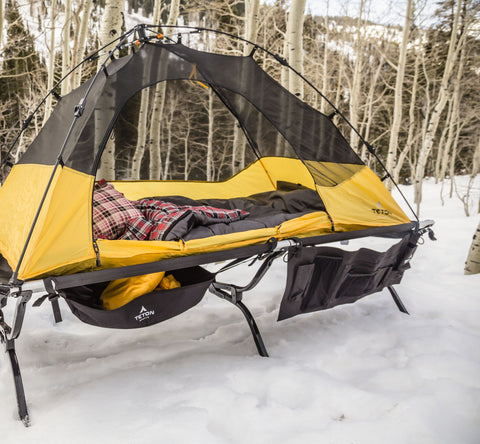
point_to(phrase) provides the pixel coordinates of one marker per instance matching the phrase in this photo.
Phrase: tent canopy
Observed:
(312, 152)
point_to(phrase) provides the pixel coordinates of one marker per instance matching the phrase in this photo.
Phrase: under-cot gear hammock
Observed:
(301, 186)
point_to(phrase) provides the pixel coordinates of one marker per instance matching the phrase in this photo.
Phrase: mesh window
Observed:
(194, 135)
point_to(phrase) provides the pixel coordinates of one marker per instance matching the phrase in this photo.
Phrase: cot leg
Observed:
(397, 300)
(234, 293)
(257, 337)
(7, 337)
(17, 379)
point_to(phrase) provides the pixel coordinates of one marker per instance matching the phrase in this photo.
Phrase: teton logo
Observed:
(381, 211)
(144, 314)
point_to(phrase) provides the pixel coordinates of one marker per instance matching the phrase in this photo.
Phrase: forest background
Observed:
(412, 88)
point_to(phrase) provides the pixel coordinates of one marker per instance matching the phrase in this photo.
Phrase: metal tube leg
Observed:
(17, 379)
(397, 300)
(257, 337)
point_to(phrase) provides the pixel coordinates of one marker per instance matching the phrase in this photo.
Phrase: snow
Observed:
(361, 373)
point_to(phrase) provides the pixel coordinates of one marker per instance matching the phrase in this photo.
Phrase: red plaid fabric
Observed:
(111, 212)
(138, 228)
(164, 215)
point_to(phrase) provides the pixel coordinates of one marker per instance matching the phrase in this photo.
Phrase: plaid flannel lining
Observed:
(138, 228)
(111, 212)
(164, 215)
(115, 217)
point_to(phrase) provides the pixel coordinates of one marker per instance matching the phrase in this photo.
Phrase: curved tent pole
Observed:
(94, 55)
(285, 63)
(77, 114)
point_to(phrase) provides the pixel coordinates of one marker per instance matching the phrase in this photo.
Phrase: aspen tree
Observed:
(110, 29)
(434, 118)
(472, 265)
(211, 120)
(51, 61)
(412, 123)
(1, 23)
(325, 79)
(158, 107)
(65, 87)
(368, 116)
(80, 42)
(142, 118)
(397, 106)
(355, 87)
(251, 25)
(293, 39)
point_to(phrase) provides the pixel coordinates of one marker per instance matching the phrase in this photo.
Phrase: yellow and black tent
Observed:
(291, 149)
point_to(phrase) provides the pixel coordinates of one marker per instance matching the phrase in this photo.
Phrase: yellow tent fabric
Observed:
(62, 240)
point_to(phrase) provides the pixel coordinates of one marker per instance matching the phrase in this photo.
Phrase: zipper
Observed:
(97, 252)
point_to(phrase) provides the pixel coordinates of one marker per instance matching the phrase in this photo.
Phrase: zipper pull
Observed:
(97, 252)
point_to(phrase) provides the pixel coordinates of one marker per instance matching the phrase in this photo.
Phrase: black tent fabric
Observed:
(312, 135)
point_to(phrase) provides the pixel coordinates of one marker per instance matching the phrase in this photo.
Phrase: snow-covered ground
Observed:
(361, 373)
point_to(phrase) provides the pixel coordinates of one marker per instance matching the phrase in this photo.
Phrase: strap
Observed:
(57, 315)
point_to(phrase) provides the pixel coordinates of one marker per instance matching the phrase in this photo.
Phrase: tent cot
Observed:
(46, 224)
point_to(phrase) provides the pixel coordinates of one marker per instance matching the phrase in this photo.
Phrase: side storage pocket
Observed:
(149, 309)
(323, 277)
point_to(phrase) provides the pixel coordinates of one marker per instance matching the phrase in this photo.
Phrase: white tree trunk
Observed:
(411, 125)
(111, 26)
(472, 265)
(325, 81)
(142, 135)
(339, 89)
(169, 142)
(185, 149)
(51, 61)
(1, 23)
(454, 122)
(444, 147)
(251, 23)
(368, 119)
(110, 29)
(66, 46)
(294, 38)
(355, 89)
(476, 162)
(159, 102)
(211, 118)
(434, 120)
(251, 26)
(81, 43)
(397, 107)
(155, 125)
